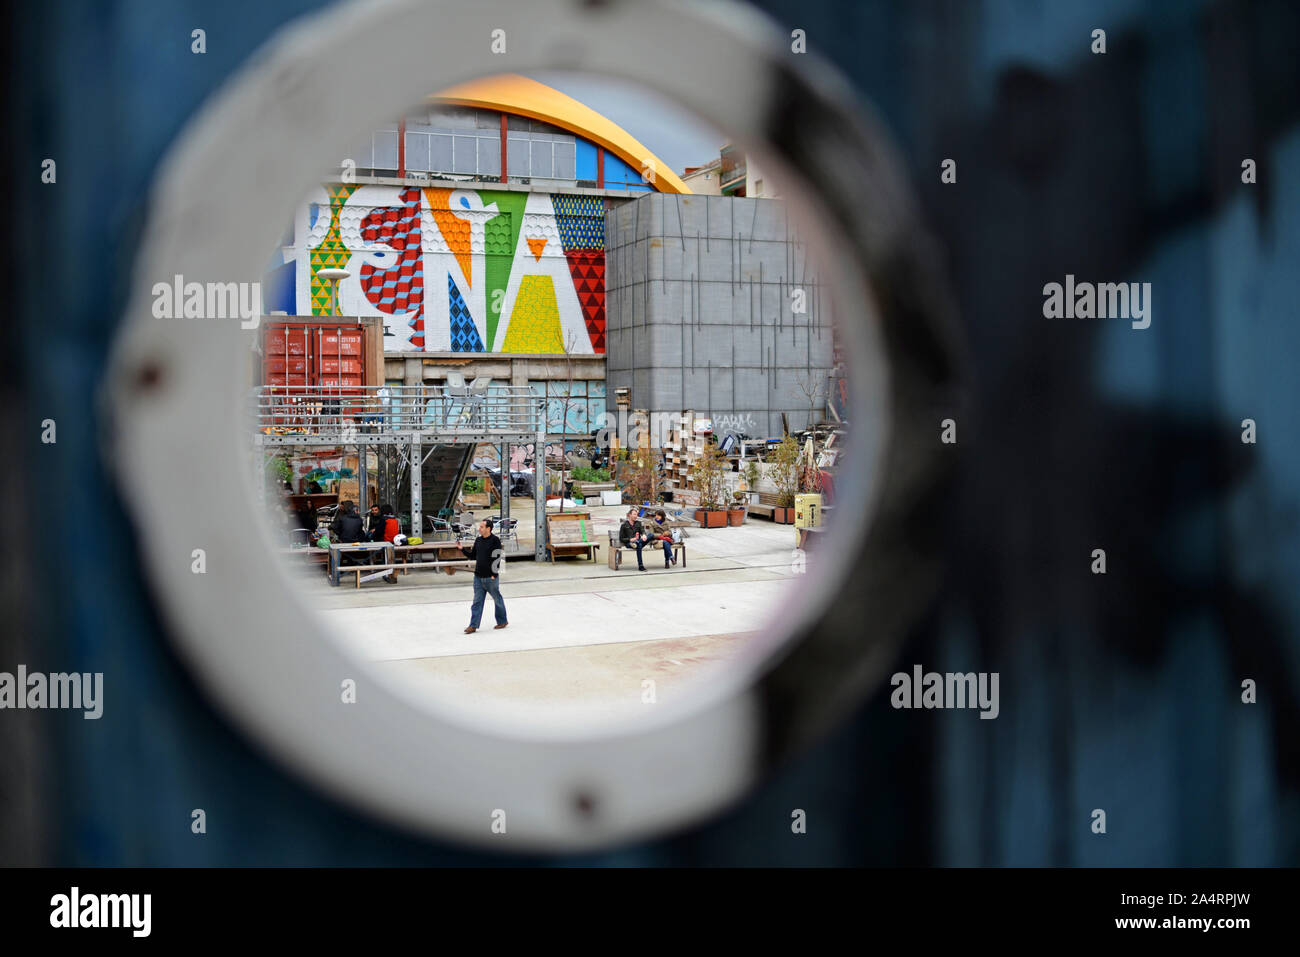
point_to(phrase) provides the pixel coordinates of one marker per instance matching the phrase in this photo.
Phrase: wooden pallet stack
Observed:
(683, 449)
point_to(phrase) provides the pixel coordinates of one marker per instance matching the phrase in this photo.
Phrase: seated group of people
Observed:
(349, 528)
(633, 534)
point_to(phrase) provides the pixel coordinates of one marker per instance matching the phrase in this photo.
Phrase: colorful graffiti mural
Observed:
(459, 270)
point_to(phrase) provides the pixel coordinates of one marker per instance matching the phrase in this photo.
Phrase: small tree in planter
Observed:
(641, 477)
(736, 511)
(785, 475)
(706, 476)
(752, 476)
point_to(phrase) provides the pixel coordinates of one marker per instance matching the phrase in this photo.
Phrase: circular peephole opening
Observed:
(551, 407)
(538, 298)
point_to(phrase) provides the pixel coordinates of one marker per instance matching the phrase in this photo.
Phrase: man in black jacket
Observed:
(347, 525)
(632, 533)
(487, 554)
(348, 528)
(307, 518)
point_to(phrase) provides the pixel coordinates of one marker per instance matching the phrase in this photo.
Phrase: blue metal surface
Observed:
(1119, 693)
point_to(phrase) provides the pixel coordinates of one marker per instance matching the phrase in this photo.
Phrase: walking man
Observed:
(486, 552)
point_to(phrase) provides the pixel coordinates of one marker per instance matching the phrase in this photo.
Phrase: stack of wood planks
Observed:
(683, 449)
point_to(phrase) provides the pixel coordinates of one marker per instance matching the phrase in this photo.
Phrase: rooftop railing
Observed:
(342, 413)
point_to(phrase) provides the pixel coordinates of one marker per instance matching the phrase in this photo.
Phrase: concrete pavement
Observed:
(582, 639)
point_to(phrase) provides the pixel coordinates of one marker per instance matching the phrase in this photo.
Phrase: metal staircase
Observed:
(443, 476)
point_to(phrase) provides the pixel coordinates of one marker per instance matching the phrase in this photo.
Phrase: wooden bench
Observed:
(337, 550)
(408, 556)
(371, 572)
(404, 565)
(617, 548)
(570, 534)
(315, 555)
(767, 504)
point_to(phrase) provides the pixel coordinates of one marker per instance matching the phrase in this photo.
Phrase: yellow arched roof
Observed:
(511, 93)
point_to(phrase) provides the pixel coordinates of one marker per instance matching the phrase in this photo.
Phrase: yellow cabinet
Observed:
(808, 511)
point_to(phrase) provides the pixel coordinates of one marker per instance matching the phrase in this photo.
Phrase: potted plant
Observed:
(279, 469)
(640, 477)
(706, 476)
(752, 476)
(785, 475)
(736, 512)
(590, 482)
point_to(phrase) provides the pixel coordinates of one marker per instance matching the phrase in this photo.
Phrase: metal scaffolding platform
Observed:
(413, 421)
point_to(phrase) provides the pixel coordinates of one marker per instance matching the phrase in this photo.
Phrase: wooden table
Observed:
(438, 550)
(336, 548)
(317, 556)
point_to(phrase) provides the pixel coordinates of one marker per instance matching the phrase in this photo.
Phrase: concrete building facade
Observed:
(503, 231)
(713, 305)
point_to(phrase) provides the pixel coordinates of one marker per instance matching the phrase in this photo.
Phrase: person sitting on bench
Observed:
(659, 528)
(385, 527)
(307, 517)
(633, 535)
(347, 528)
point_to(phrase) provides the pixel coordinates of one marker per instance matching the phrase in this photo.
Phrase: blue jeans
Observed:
(641, 541)
(482, 588)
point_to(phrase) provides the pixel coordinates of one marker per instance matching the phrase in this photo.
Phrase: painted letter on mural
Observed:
(459, 270)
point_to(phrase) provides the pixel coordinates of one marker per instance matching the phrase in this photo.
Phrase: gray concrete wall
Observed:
(699, 307)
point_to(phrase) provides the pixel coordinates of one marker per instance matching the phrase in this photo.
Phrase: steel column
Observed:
(505, 480)
(361, 482)
(539, 498)
(417, 471)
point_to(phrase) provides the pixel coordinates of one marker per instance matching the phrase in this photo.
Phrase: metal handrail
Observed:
(340, 410)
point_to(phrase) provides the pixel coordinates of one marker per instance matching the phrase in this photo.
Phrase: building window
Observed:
(440, 153)
(543, 162)
(468, 143)
(489, 156)
(385, 150)
(465, 155)
(417, 152)
(517, 155)
(565, 159)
